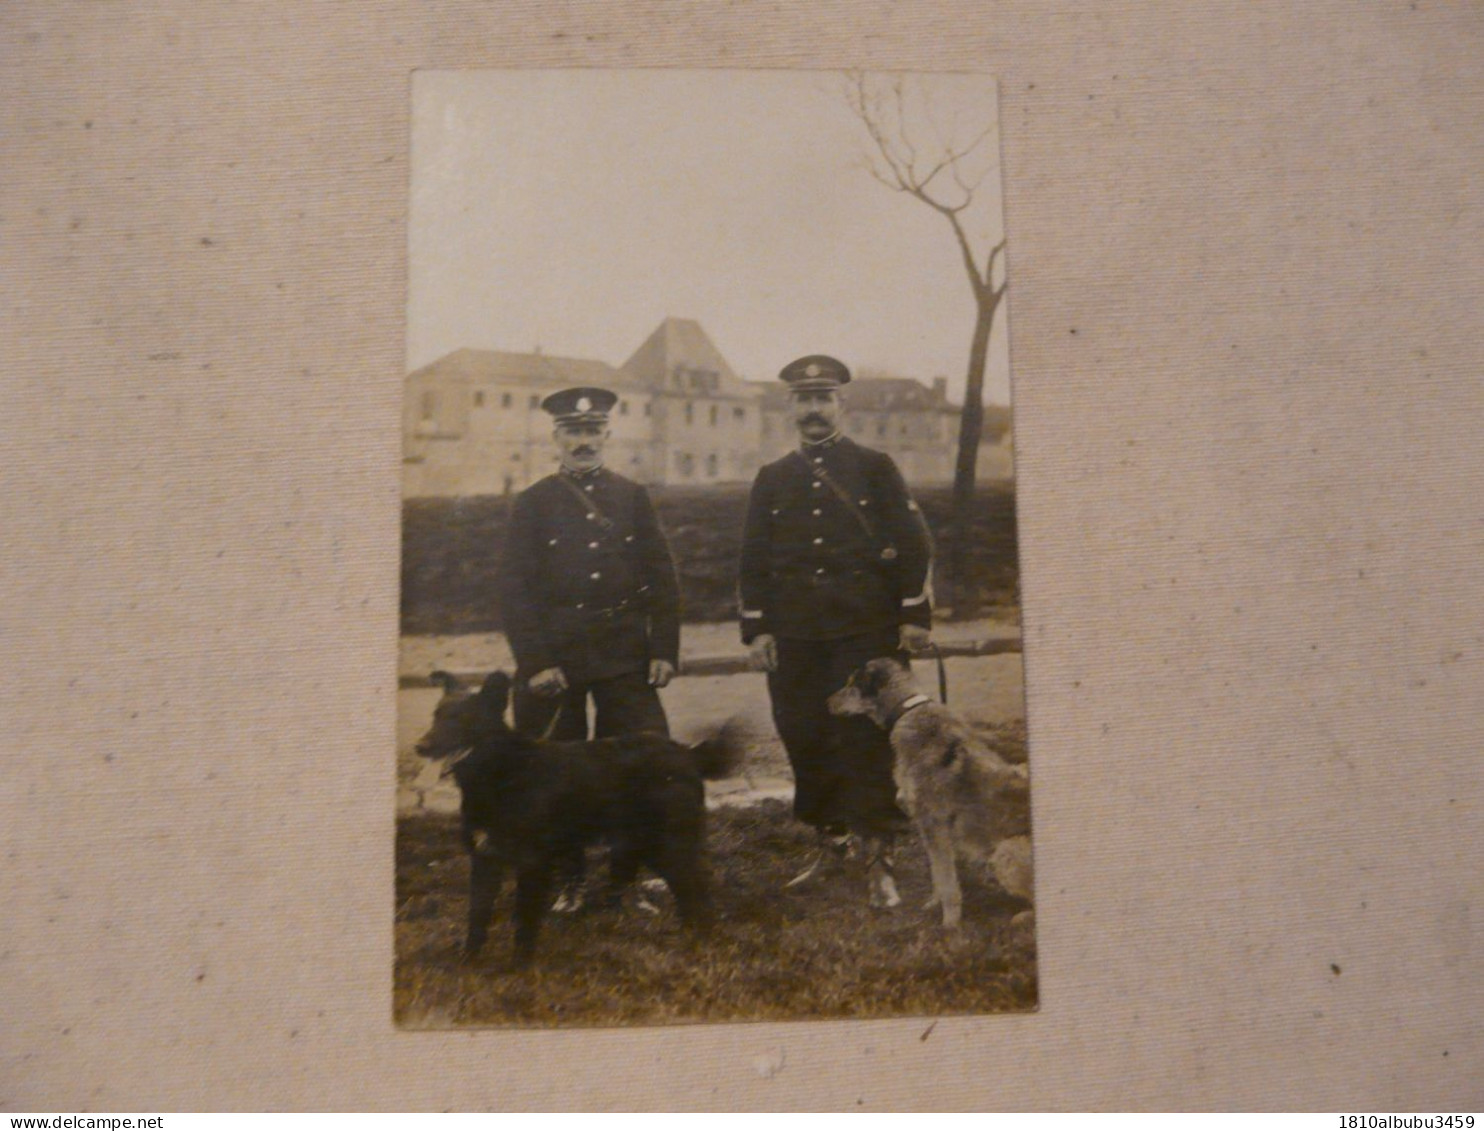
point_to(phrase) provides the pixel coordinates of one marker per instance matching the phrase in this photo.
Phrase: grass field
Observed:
(774, 954)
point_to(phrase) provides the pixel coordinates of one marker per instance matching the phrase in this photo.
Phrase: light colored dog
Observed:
(963, 796)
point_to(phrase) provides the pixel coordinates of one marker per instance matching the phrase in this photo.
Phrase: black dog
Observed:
(533, 805)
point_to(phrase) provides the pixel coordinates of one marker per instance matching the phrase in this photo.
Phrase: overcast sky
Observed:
(574, 210)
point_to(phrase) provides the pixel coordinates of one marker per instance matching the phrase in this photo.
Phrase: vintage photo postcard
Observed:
(605, 816)
(711, 699)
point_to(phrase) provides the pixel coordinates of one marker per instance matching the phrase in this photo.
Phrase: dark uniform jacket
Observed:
(810, 570)
(592, 593)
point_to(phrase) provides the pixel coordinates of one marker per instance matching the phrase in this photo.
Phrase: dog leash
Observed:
(942, 673)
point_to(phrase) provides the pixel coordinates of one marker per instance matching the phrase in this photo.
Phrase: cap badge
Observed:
(812, 370)
(584, 405)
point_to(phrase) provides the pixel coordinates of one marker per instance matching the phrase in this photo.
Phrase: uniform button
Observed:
(592, 518)
(820, 570)
(817, 511)
(589, 487)
(596, 575)
(579, 604)
(817, 483)
(628, 538)
(553, 542)
(819, 541)
(865, 502)
(592, 545)
(819, 459)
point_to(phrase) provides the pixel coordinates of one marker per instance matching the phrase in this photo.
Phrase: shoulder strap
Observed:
(586, 500)
(818, 470)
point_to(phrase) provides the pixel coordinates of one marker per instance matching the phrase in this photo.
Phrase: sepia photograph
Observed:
(626, 556)
(711, 701)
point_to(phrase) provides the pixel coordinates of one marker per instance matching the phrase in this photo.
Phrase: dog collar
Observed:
(908, 704)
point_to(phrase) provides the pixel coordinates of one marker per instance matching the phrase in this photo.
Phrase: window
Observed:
(623, 408)
(479, 398)
(685, 464)
(713, 416)
(739, 413)
(711, 466)
(690, 413)
(647, 408)
(506, 400)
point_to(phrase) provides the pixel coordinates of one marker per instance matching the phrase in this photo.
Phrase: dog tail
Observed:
(722, 751)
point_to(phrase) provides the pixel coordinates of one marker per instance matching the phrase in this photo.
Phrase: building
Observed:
(916, 424)
(704, 421)
(473, 424)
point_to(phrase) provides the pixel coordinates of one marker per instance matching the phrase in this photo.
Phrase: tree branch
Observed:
(994, 253)
(895, 163)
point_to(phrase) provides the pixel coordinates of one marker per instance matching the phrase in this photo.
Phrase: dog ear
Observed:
(873, 677)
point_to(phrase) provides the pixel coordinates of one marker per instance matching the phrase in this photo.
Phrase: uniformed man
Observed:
(588, 590)
(834, 572)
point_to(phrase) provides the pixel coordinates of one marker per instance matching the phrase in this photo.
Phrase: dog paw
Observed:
(883, 894)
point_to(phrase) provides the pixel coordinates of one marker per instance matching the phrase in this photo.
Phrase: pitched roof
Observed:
(892, 394)
(883, 394)
(679, 347)
(875, 394)
(534, 368)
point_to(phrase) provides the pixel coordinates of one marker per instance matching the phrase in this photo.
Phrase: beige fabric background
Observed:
(1247, 255)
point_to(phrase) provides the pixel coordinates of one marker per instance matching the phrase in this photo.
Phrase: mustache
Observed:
(584, 451)
(814, 418)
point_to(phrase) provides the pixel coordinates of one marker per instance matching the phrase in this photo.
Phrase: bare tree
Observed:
(914, 152)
